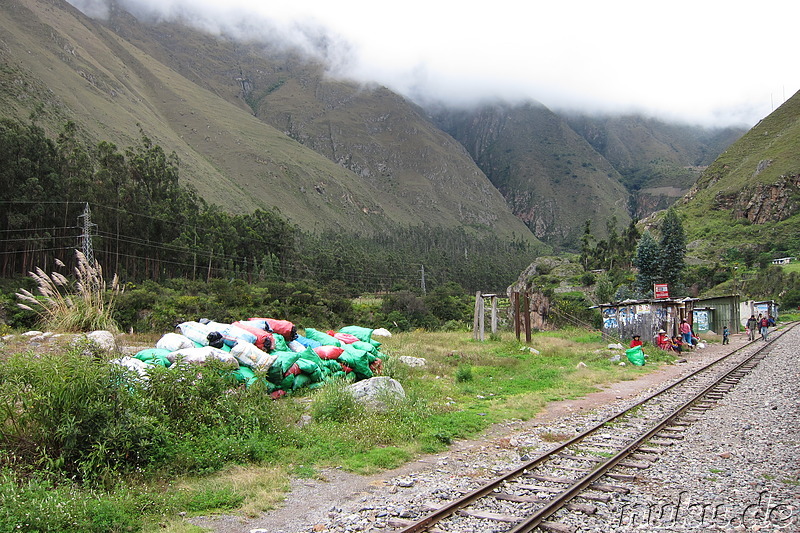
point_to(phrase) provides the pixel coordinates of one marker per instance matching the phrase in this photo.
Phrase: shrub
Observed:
(336, 403)
(463, 373)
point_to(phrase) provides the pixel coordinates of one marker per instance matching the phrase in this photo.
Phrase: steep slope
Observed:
(550, 176)
(658, 161)
(748, 200)
(419, 173)
(114, 78)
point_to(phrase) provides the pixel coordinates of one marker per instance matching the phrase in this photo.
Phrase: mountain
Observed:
(192, 94)
(658, 161)
(258, 125)
(746, 204)
(552, 178)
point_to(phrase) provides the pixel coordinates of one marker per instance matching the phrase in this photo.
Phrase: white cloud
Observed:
(707, 61)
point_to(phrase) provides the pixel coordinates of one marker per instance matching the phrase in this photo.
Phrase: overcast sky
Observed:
(708, 62)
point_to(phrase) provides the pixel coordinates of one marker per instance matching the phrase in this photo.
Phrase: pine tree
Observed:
(647, 261)
(673, 251)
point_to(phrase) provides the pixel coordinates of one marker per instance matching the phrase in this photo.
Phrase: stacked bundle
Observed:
(286, 360)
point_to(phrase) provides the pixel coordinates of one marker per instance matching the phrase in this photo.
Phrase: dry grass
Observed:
(63, 306)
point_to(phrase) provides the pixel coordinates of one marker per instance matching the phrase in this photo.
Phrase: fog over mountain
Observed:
(710, 63)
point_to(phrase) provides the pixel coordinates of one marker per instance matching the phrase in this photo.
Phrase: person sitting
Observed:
(662, 341)
(676, 344)
(636, 341)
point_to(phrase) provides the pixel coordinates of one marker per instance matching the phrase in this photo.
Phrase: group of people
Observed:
(675, 343)
(760, 324)
(687, 340)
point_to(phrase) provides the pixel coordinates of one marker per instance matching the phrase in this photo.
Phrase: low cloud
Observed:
(710, 63)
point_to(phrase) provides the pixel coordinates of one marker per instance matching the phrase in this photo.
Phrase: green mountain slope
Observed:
(748, 200)
(550, 176)
(658, 161)
(116, 77)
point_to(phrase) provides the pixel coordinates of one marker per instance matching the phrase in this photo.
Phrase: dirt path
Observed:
(311, 500)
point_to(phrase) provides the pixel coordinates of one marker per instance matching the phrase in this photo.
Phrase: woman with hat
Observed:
(662, 341)
(636, 341)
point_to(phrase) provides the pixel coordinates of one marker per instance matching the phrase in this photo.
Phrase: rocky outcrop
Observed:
(762, 203)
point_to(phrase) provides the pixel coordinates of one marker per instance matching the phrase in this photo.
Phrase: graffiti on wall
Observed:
(610, 318)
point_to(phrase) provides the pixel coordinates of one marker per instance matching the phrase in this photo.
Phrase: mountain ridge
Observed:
(263, 127)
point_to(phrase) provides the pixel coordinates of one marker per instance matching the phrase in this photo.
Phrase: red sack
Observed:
(264, 339)
(294, 369)
(280, 393)
(376, 366)
(282, 327)
(345, 367)
(328, 352)
(345, 338)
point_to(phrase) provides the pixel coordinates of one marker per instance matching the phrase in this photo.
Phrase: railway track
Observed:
(591, 466)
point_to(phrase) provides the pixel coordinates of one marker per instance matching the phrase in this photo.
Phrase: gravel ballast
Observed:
(736, 469)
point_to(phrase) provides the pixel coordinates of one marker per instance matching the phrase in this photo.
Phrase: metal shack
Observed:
(714, 313)
(645, 317)
(755, 308)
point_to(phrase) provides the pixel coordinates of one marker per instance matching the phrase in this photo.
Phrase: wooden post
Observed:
(477, 319)
(494, 314)
(526, 308)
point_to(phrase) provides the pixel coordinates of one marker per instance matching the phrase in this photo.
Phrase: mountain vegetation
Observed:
(258, 126)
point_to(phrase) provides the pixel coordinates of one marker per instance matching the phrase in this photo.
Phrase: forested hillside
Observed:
(146, 225)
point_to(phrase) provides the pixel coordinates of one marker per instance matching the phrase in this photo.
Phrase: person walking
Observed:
(764, 325)
(726, 335)
(752, 324)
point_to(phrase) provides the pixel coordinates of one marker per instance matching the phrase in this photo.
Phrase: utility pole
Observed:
(86, 234)
(422, 270)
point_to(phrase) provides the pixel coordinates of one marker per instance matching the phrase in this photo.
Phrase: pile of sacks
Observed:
(287, 360)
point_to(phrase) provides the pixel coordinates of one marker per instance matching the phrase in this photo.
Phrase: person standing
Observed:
(726, 334)
(686, 333)
(636, 341)
(752, 324)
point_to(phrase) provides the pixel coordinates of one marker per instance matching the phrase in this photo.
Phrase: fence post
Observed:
(477, 320)
(526, 307)
(494, 314)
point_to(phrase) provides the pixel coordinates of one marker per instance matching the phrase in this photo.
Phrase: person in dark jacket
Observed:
(752, 325)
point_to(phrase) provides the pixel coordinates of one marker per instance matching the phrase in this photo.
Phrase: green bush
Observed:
(336, 403)
(80, 418)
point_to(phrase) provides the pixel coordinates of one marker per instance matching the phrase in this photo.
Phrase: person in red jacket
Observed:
(662, 341)
(636, 341)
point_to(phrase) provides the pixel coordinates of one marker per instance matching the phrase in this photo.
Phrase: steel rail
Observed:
(454, 506)
(580, 485)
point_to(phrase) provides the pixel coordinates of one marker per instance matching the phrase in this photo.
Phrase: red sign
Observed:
(660, 290)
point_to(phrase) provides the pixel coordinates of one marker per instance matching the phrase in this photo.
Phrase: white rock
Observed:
(412, 361)
(103, 339)
(377, 392)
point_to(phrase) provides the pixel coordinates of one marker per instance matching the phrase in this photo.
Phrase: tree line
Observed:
(147, 224)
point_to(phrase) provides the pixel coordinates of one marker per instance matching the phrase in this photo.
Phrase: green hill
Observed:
(189, 92)
(550, 176)
(746, 204)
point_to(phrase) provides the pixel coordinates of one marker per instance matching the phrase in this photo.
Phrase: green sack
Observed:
(322, 337)
(358, 360)
(635, 355)
(362, 334)
(154, 356)
(280, 344)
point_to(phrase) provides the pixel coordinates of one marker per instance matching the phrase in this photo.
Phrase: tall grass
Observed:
(85, 305)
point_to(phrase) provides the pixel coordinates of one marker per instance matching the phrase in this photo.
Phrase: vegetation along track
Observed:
(599, 461)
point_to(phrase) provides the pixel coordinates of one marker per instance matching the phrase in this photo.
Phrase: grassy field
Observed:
(464, 387)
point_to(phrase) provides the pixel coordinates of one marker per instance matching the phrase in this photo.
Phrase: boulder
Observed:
(412, 361)
(377, 393)
(103, 339)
